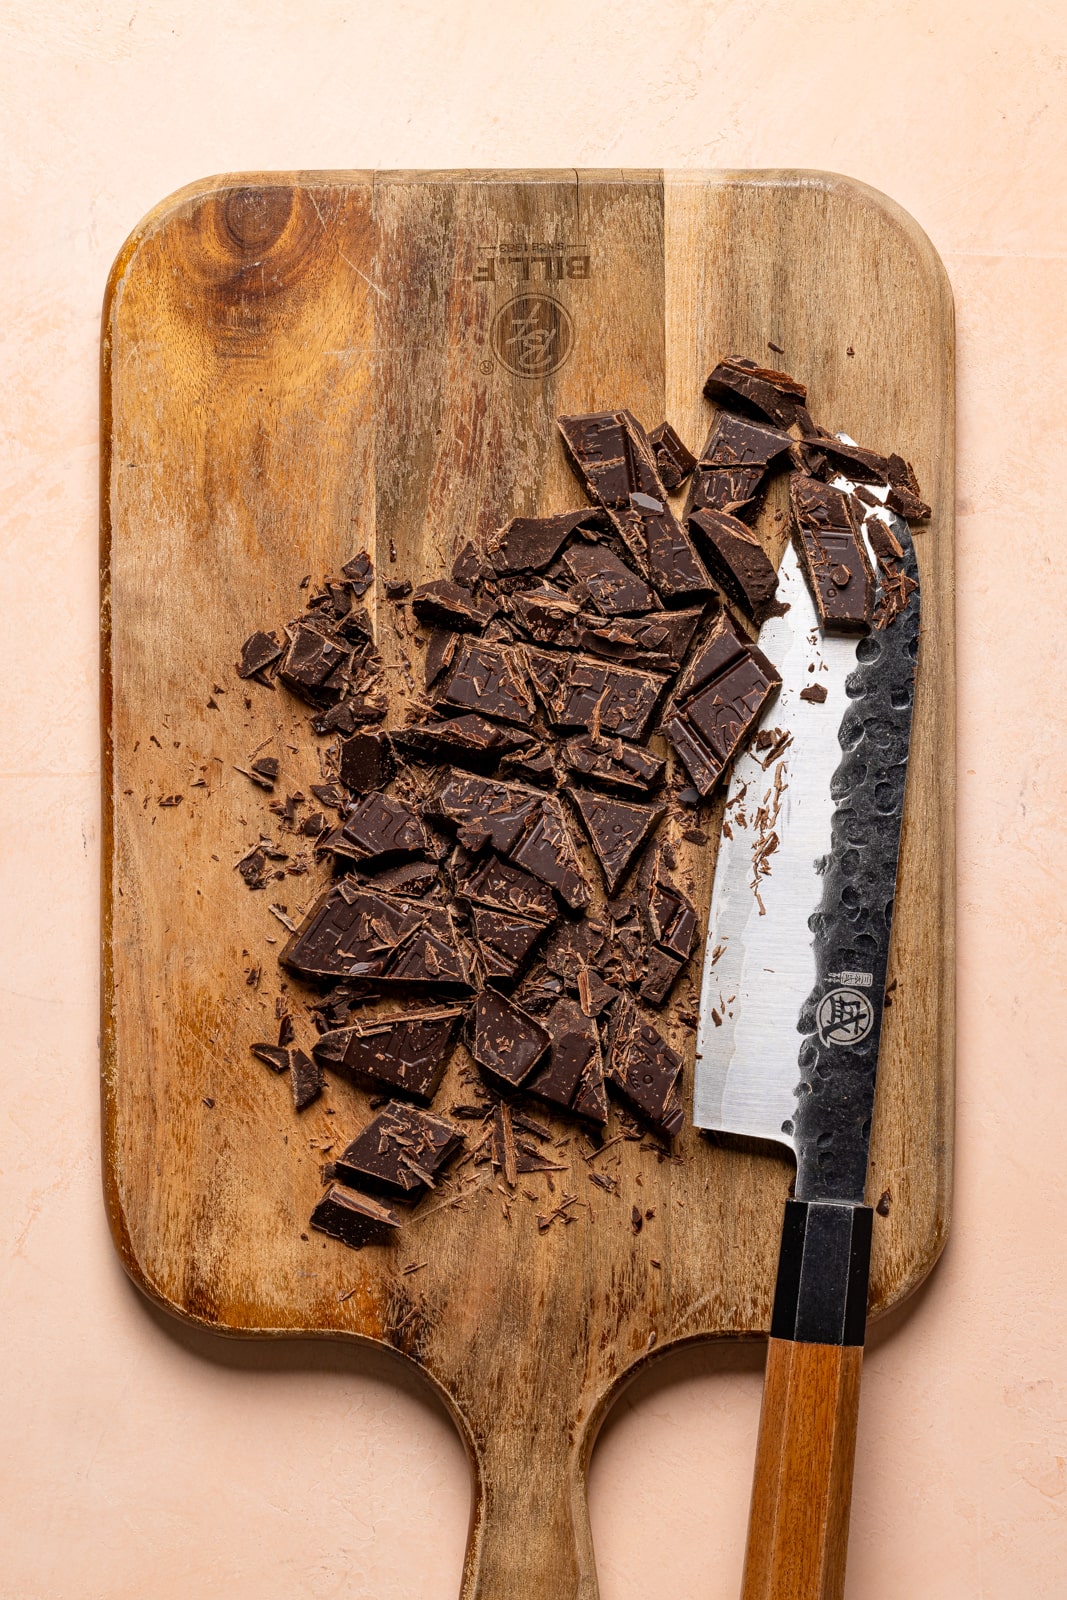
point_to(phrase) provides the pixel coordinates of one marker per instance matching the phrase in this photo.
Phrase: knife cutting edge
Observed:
(790, 1027)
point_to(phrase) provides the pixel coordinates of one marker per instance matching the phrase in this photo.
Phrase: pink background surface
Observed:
(141, 1458)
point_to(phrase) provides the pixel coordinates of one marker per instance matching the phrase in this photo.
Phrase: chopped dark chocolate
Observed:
(530, 544)
(575, 1069)
(905, 496)
(581, 692)
(355, 931)
(538, 763)
(611, 585)
(359, 572)
(487, 812)
(548, 615)
(257, 653)
(468, 740)
(397, 588)
(612, 456)
(380, 828)
(275, 1056)
(411, 879)
(306, 1078)
(407, 1051)
(644, 1068)
(734, 490)
(738, 383)
(659, 976)
(402, 1151)
(658, 642)
(313, 657)
(487, 678)
(737, 560)
(504, 940)
(616, 830)
(449, 605)
(673, 460)
(614, 762)
(440, 653)
(469, 567)
(814, 694)
(661, 547)
(355, 1219)
(670, 914)
(365, 762)
(718, 702)
(736, 442)
(264, 771)
(547, 850)
(504, 1040)
(833, 555)
(503, 887)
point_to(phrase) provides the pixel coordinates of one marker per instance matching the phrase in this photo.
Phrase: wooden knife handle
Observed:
(802, 1490)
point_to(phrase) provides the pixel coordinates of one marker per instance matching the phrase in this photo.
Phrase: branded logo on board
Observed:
(844, 1016)
(532, 335)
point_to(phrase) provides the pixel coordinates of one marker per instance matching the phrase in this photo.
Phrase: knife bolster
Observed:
(823, 1267)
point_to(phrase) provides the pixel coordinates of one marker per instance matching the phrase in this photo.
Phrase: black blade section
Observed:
(842, 1019)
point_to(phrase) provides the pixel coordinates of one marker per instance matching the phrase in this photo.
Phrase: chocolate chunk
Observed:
(469, 567)
(366, 762)
(738, 383)
(669, 913)
(659, 976)
(330, 794)
(469, 741)
(616, 830)
(612, 456)
(547, 850)
(736, 442)
(257, 653)
(353, 1218)
(487, 812)
(265, 771)
(530, 544)
(313, 657)
(738, 562)
(397, 588)
(817, 453)
(451, 606)
(407, 1051)
(575, 1068)
(548, 615)
(614, 762)
(359, 572)
(356, 931)
(401, 1151)
(440, 653)
(718, 702)
(504, 1040)
(276, 1058)
(537, 763)
(905, 496)
(487, 678)
(731, 489)
(661, 547)
(833, 555)
(611, 585)
(582, 692)
(673, 460)
(814, 694)
(658, 642)
(305, 1076)
(356, 626)
(411, 879)
(379, 828)
(644, 1069)
(504, 941)
(503, 887)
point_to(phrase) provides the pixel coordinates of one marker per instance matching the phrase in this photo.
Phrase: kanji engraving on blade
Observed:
(844, 1016)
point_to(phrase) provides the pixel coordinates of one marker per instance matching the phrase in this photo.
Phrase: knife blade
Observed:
(790, 1027)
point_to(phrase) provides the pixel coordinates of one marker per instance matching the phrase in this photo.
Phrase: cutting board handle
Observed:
(529, 1536)
(802, 1489)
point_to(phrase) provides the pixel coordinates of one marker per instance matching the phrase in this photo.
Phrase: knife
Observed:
(790, 1025)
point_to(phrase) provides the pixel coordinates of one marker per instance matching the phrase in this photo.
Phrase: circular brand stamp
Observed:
(532, 335)
(844, 1016)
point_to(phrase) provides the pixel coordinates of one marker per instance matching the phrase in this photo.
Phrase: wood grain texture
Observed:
(802, 1486)
(298, 366)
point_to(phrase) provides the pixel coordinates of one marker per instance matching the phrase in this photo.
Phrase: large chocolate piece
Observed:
(673, 461)
(614, 762)
(736, 442)
(737, 561)
(407, 1051)
(582, 692)
(451, 606)
(355, 931)
(644, 1068)
(487, 812)
(731, 489)
(611, 585)
(365, 762)
(380, 828)
(500, 886)
(833, 555)
(670, 922)
(661, 547)
(401, 1151)
(530, 544)
(504, 940)
(468, 740)
(548, 851)
(314, 656)
(657, 642)
(616, 830)
(487, 678)
(548, 616)
(574, 1073)
(355, 1219)
(504, 1040)
(740, 384)
(257, 653)
(612, 456)
(718, 701)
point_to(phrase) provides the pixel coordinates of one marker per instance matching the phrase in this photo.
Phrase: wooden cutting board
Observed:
(297, 366)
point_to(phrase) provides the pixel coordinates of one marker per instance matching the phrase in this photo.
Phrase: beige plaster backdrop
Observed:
(140, 1458)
